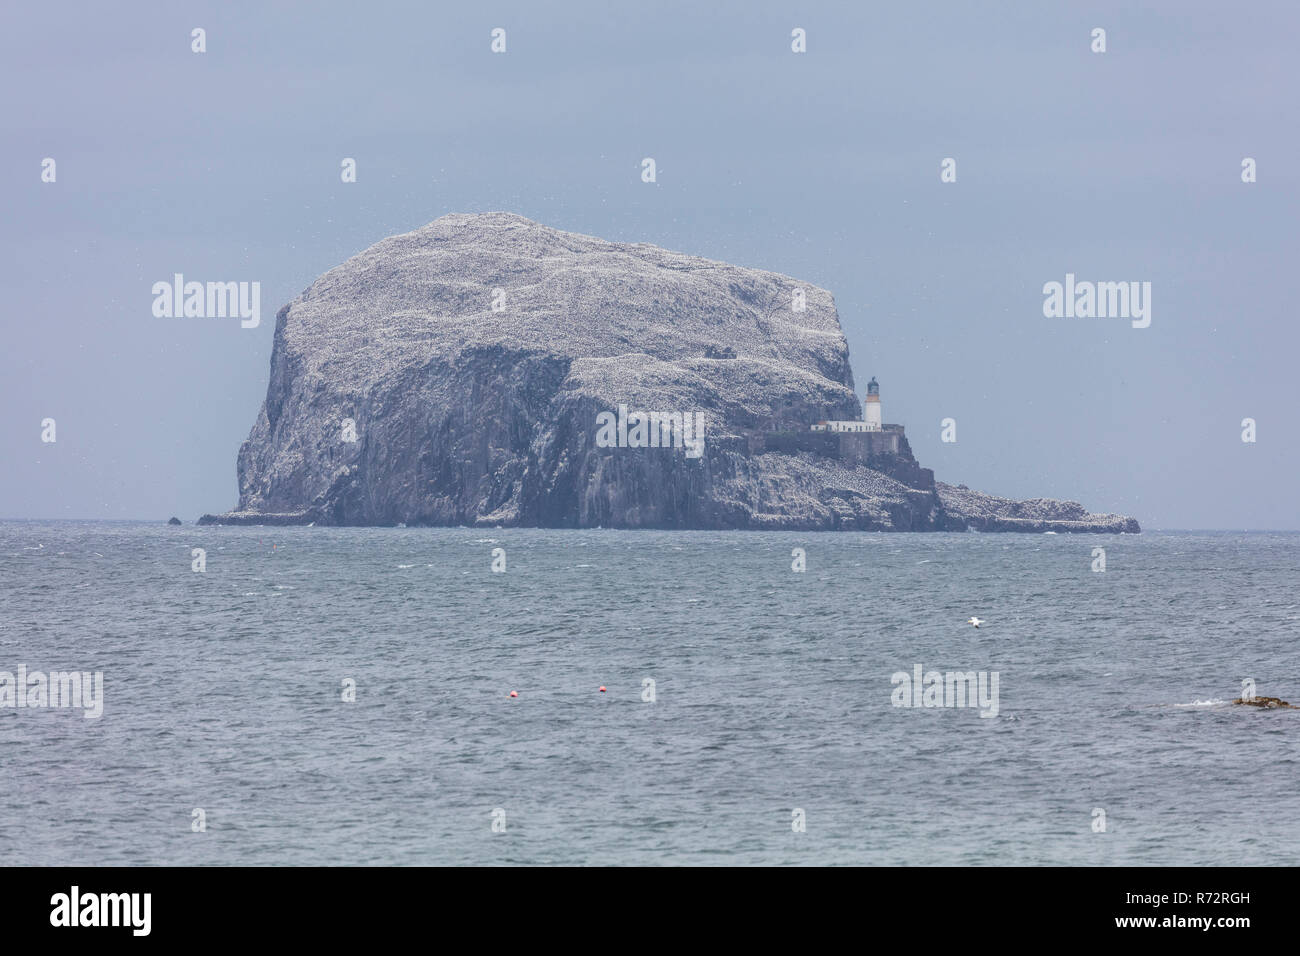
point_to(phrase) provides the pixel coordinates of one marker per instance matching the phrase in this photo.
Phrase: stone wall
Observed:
(886, 451)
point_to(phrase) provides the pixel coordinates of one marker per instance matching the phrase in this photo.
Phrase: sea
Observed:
(384, 696)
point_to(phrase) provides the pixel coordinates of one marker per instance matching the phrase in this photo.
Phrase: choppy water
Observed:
(773, 692)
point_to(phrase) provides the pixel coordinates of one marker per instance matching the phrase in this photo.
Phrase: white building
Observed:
(844, 427)
(872, 409)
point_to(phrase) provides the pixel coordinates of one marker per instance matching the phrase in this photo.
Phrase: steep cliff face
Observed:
(454, 376)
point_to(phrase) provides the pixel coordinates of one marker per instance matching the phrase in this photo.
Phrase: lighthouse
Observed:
(870, 421)
(871, 409)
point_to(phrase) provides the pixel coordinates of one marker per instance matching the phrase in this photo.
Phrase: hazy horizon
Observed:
(156, 519)
(825, 165)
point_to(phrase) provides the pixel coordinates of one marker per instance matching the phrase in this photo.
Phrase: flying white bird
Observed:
(975, 621)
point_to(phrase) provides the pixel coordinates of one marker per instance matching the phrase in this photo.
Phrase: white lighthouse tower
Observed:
(871, 410)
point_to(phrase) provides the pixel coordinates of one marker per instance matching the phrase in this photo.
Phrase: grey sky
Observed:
(1116, 166)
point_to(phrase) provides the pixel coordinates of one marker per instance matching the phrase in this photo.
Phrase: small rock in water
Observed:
(173, 520)
(1269, 702)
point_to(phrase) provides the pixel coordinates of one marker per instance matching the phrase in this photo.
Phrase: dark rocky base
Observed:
(254, 518)
(770, 492)
(1267, 703)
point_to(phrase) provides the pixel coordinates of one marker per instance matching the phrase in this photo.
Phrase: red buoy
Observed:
(602, 690)
(514, 693)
